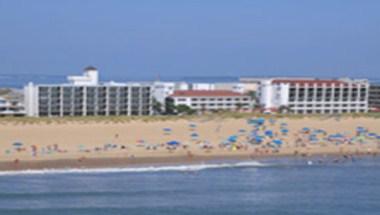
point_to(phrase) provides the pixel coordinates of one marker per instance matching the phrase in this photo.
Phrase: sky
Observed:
(172, 38)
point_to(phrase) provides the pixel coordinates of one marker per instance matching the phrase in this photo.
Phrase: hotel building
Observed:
(374, 97)
(9, 107)
(212, 100)
(85, 96)
(314, 96)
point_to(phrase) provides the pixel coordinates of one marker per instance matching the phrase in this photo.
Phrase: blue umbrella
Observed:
(194, 135)
(277, 142)
(313, 138)
(359, 128)
(260, 120)
(372, 135)
(336, 136)
(269, 133)
(306, 129)
(284, 130)
(232, 138)
(258, 139)
(17, 144)
(173, 143)
(167, 129)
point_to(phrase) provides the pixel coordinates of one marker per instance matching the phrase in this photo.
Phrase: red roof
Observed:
(205, 93)
(309, 82)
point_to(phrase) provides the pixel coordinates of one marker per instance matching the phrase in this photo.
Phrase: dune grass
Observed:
(147, 119)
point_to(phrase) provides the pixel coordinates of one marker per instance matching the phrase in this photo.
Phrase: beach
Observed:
(102, 143)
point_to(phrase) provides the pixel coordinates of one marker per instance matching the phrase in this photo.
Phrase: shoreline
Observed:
(115, 162)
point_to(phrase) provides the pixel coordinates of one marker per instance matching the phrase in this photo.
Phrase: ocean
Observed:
(279, 186)
(20, 80)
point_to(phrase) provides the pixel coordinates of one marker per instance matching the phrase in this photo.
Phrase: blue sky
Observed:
(191, 38)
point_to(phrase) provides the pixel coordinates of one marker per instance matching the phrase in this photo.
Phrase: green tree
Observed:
(184, 109)
(239, 106)
(157, 107)
(170, 108)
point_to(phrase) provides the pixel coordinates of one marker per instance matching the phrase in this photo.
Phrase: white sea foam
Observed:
(179, 168)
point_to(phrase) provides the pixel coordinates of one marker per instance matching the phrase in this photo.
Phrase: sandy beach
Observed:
(76, 144)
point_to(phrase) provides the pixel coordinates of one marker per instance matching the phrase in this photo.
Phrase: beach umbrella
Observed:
(284, 130)
(361, 130)
(269, 133)
(277, 142)
(17, 144)
(167, 129)
(260, 121)
(313, 137)
(372, 135)
(173, 143)
(336, 136)
(242, 130)
(232, 138)
(194, 135)
(259, 139)
(305, 129)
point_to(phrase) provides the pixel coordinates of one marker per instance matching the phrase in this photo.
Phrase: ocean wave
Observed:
(173, 168)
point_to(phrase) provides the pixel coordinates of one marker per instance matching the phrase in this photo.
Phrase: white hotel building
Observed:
(85, 96)
(314, 96)
(212, 100)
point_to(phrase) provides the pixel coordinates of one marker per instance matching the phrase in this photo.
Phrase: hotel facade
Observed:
(212, 100)
(313, 96)
(84, 96)
(374, 97)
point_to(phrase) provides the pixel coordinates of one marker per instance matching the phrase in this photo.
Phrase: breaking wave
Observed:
(173, 168)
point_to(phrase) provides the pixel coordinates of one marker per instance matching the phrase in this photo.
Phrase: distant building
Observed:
(162, 90)
(253, 83)
(90, 77)
(374, 97)
(85, 96)
(212, 100)
(307, 96)
(9, 107)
